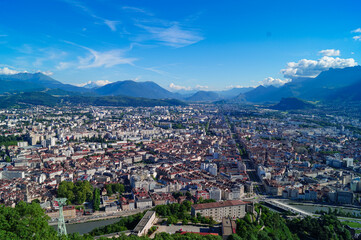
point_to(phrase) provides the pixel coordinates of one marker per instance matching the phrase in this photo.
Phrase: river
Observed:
(86, 227)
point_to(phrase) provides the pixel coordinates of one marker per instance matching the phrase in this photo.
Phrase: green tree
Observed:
(234, 237)
(96, 202)
(25, 221)
(117, 188)
(172, 220)
(76, 193)
(109, 189)
(65, 190)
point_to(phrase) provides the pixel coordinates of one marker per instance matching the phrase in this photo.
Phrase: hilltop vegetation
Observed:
(270, 225)
(28, 221)
(22, 100)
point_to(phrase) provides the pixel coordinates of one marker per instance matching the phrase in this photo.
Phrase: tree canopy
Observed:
(25, 221)
(76, 193)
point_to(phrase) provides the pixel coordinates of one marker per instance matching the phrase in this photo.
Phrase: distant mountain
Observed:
(349, 93)
(185, 93)
(210, 96)
(135, 89)
(326, 84)
(233, 92)
(263, 94)
(292, 104)
(28, 98)
(33, 81)
(44, 99)
(18, 86)
(204, 96)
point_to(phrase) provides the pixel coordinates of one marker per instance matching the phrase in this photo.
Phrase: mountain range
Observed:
(27, 82)
(292, 104)
(331, 85)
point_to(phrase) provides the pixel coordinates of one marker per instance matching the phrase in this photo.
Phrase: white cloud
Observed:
(98, 83)
(358, 30)
(187, 88)
(330, 52)
(8, 71)
(178, 87)
(357, 38)
(270, 81)
(173, 35)
(102, 82)
(200, 87)
(311, 68)
(48, 73)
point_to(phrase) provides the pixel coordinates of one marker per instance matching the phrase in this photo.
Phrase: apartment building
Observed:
(218, 210)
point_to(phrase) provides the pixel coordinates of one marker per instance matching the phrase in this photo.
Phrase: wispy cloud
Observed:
(174, 35)
(110, 23)
(357, 38)
(47, 55)
(105, 59)
(137, 10)
(156, 70)
(64, 65)
(357, 30)
(96, 59)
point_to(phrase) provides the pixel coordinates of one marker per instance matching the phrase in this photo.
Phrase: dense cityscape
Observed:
(180, 120)
(110, 162)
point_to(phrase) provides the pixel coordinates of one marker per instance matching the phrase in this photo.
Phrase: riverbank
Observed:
(86, 224)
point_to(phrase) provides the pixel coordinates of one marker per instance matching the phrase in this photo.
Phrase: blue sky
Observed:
(179, 44)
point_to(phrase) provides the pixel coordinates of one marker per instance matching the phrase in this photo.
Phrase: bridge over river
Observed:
(286, 207)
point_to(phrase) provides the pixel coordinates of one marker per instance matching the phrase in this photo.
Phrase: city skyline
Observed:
(180, 45)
